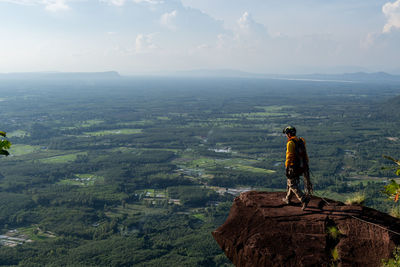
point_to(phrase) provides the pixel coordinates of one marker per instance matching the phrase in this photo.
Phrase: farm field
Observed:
(21, 149)
(116, 131)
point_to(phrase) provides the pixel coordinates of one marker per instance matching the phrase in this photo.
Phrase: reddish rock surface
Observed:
(262, 231)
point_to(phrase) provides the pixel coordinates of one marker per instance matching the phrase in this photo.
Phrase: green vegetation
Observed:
(141, 174)
(63, 158)
(333, 239)
(335, 254)
(18, 133)
(392, 190)
(395, 212)
(89, 123)
(4, 144)
(20, 149)
(115, 131)
(82, 180)
(393, 262)
(333, 232)
(35, 233)
(358, 198)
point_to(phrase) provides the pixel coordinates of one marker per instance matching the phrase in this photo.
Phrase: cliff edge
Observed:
(261, 231)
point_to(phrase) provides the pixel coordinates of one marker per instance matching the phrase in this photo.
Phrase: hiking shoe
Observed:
(286, 201)
(305, 203)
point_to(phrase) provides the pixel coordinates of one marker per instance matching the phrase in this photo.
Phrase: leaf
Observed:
(3, 133)
(392, 188)
(392, 159)
(5, 144)
(389, 168)
(398, 172)
(4, 152)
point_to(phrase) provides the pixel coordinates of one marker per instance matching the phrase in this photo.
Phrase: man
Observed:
(296, 164)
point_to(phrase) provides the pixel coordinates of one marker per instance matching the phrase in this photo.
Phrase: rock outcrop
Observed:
(262, 231)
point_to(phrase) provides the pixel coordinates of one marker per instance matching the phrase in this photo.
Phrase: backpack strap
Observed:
(300, 153)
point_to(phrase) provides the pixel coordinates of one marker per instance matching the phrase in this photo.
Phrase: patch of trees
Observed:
(193, 196)
(231, 178)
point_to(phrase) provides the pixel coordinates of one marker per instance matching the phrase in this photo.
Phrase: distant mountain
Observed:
(209, 73)
(225, 73)
(357, 76)
(61, 75)
(220, 73)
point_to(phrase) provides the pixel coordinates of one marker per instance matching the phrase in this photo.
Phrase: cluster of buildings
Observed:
(13, 238)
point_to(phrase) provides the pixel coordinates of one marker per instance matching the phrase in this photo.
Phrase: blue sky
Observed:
(144, 36)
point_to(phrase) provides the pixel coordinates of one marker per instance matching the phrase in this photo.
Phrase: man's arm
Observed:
(290, 154)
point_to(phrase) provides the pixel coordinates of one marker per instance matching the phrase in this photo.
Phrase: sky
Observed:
(164, 36)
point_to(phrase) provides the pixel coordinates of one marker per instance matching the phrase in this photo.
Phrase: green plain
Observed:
(112, 132)
(18, 133)
(18, 150)
(62, 158)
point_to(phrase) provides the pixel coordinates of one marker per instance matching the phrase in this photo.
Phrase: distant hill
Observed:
(356, 77)
(231, 73)
(217, 73)
(61, 75)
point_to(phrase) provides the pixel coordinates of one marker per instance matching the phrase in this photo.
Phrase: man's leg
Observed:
(289, 193)
(293, 184)
(304, 199)
(293, 189)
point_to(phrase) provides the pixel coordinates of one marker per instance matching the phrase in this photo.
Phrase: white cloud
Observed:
(50, 5)
(249, 32)
(22, 2)
(120, 3)
(248, 25)
(388, 37)
(153, 2)
(223, 41)
(56, 5)
(369, 40)
(204, 46)
(144, 43)
(392, 13)
(115, 2)
(245, 21)
(168, 20)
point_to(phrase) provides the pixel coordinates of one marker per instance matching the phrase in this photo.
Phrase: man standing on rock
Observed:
(296, 164)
